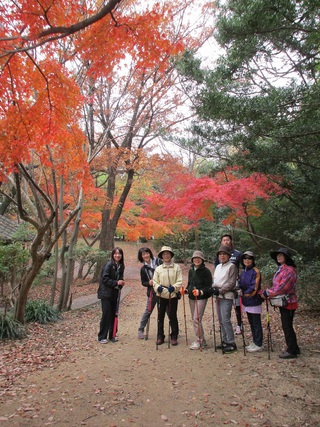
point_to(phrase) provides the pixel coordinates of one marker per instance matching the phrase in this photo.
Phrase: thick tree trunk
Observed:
(25, 285)
(108, 229)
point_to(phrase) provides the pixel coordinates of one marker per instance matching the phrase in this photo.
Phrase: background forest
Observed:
(171, 122)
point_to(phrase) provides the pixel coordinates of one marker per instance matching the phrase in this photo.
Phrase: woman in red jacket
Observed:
(284, 283)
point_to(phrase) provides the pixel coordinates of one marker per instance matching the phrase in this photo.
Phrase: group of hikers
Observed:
(235, 282)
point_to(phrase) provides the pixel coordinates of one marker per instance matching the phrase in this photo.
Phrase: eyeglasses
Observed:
(248, 257)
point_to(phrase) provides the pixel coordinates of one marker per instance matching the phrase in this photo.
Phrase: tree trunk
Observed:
(63, 290)
(108, 229)
(55, 277)
(71, 262)
(25, 285)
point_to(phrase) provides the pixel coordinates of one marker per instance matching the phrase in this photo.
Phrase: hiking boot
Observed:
(194, 346)
(221, 346)
(286, 355)
(160, 341)
(140, 335)
(174, 341)
(254, 348)
(230, 348)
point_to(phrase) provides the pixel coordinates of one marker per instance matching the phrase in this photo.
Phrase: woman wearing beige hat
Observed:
(167, 280)
(199, 289)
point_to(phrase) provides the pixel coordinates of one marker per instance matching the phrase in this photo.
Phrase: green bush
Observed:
(11, 328)
(308, 284)
(41, 312)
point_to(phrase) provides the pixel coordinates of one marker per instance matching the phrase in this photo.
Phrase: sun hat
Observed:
(286, 253)
(197, 254)
(165, 249)
(247, 253)
(225, 249)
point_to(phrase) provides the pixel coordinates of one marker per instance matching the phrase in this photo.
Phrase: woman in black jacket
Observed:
(150, 263)
(199, 289)
(111, 283)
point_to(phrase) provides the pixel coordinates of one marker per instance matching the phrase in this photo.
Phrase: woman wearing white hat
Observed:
(167, 281)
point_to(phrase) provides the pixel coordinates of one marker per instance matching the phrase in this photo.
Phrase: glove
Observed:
(215, 291)
(183, 290)
(239, 292)
(160, 289)
(196, 292)
(171, 289)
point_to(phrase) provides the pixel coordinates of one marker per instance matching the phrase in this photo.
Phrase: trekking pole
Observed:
(269, 339)
(213, 326)
(185, 318)
(198, 320)
(169, 314)
(115, 324)
(218, 311)
(149, 308)
(158, 306)
(242, 328)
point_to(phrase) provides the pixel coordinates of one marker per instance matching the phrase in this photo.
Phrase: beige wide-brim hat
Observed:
(197, 254)
(165, 249)
(224, 249)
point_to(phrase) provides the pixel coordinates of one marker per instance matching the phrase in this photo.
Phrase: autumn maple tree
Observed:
(81, 82)
(191, 199)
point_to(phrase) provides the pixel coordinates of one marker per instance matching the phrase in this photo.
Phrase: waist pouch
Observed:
(279, 301)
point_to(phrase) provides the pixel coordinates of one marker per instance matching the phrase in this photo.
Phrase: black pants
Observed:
(108, 307)
(256, 328)
(289, 333)
(171, 307)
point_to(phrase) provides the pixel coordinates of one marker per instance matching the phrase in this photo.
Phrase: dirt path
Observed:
(130, 383)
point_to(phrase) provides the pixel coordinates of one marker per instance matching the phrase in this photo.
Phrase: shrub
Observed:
(11, 328)
(308, 284)
(41, 312)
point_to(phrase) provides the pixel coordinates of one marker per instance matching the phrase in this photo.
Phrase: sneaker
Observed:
(250, 346)
(254, 348)
(230, 348)
(194, 346)
(140, 335)
(238, 330)
(103, 341)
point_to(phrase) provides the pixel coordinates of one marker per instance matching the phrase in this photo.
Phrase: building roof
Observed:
(8, 228)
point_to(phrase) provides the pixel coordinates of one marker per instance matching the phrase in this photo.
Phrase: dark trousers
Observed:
(108, 307)
(289, 333)
(256, 328)
(237, 309)
(170, 307)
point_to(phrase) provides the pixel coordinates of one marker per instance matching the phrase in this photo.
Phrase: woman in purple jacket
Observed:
(250, 285)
